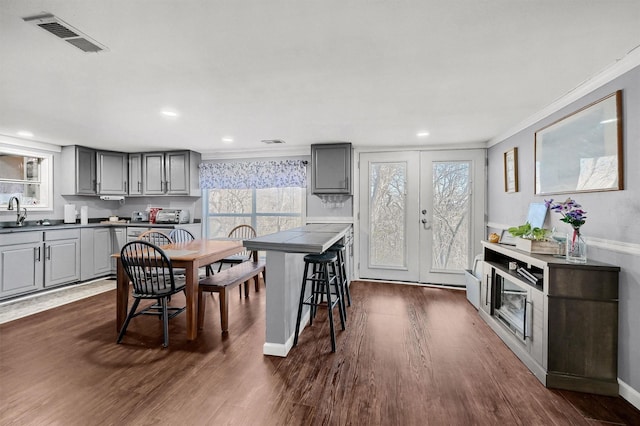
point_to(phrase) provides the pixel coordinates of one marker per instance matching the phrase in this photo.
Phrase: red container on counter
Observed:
(153, 212)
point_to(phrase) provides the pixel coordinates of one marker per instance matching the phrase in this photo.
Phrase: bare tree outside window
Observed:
(451, 215)
(268, 210)
(387, 213)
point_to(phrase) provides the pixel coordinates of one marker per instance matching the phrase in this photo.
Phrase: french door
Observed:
(421, 214)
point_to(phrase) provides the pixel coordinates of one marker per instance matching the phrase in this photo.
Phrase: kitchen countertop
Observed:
(314, 238)
(93, 223)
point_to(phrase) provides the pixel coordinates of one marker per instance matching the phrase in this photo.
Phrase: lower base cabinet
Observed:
(21, 263)
(96, 252)
(61, 257)
(563, 327)
(31, 261)
(118, 240)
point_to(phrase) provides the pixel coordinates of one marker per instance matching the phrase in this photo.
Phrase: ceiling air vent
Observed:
(272, 141)
(61, 29)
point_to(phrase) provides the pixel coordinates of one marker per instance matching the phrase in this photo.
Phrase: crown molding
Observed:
(12, 141)
(621, 66)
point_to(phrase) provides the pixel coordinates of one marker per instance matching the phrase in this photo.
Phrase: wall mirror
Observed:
(582, 152)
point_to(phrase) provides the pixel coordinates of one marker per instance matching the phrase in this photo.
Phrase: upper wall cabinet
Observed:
(86, 171)
(135, 174)
(170, 173)
(331, 168)
(112, 172)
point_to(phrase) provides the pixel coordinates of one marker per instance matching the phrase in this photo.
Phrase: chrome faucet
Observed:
(19, 216)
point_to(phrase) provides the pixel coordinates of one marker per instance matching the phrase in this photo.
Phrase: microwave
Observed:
(172, 216)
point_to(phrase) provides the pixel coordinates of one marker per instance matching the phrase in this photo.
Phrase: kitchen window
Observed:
(27, 176)
(268, 195)
(267, 210)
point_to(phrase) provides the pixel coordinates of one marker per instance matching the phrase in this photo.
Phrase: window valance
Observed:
(253, 174)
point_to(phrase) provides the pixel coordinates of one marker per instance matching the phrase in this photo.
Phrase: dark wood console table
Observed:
(567, 334)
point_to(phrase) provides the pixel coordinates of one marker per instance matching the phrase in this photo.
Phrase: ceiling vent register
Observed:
(61, 29)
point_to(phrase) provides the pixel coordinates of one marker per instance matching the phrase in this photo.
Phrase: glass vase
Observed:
(576, 248)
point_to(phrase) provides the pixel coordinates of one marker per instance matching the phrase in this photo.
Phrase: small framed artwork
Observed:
(511, 170)
(507, 239)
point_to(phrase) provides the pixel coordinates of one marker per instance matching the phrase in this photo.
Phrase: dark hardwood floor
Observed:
(410, 356)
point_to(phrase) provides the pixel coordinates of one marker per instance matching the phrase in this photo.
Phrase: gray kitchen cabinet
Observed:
(170, 173)
(78, 171)
(153, 174)
(118, 240)
(135, 174)
(86, 171)
(331, 169)
(95, 258)
(61, 256)
(21, 260)
(112, 173)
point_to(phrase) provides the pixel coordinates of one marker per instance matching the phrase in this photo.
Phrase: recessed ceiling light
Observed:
(25, 134)
(227, 140)
(169, 113)
(422, 134)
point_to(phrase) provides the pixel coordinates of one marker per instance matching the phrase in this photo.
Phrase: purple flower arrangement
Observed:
(571, 212)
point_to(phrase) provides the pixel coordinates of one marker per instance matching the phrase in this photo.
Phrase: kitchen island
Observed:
(285, 265)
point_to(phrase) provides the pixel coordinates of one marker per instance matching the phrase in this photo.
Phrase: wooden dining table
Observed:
(190, 256)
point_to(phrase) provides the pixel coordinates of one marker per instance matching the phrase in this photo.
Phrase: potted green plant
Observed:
(534, 239)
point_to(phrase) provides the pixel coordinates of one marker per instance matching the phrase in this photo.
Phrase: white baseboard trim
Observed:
(630, 394)
(281, 350)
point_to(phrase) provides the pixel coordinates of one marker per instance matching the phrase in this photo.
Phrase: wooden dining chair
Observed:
(155, 237)
(240, 232)
(180, 235)
(152, 276)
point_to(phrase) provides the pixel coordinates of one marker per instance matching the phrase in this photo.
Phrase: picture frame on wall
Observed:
(582, 152)
(511, 170)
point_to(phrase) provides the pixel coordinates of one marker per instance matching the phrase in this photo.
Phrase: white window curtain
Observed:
(253, 174)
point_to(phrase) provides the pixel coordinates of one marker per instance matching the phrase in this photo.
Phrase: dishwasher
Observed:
(133, 232)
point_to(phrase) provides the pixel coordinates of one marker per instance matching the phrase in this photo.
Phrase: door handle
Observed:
(426, 224)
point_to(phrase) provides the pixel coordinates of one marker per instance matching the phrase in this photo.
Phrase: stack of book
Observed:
(532, 277)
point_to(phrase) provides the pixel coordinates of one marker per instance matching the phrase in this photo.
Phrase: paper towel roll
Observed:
(84, 215)
(69, 213)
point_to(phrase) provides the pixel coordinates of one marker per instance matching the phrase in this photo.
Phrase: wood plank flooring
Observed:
(410, 356)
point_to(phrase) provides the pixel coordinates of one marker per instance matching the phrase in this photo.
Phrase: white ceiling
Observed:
(371, 72)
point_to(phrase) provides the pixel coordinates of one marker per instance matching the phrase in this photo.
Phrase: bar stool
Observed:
(321, 279)
(342, 271)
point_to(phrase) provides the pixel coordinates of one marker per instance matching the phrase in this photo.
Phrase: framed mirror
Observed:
(582, 152)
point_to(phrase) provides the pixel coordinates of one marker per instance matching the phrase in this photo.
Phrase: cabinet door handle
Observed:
(139, 184)
(36, 254)
(528, 311)
(486, 291)
(48, 253)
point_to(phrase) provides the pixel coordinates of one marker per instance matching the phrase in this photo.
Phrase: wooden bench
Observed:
(222, 282)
